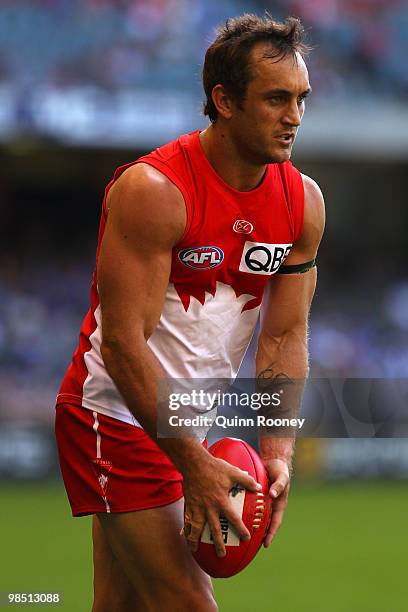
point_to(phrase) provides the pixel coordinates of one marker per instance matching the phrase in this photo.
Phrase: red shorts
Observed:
(111, 466)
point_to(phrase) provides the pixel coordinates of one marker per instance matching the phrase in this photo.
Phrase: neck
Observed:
(224, 156)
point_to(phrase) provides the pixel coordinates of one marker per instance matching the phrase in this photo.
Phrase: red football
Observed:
(254, 508)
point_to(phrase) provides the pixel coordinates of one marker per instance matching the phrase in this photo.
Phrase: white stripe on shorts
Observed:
(95, 427)
(98, 435)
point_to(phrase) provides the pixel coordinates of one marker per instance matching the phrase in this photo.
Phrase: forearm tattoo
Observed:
(285, 390)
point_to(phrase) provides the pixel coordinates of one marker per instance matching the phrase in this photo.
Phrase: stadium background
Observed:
(86, 85)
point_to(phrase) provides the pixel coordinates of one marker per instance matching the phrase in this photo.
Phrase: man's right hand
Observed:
(206, 493)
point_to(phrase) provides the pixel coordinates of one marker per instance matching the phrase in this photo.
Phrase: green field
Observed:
(342, 548)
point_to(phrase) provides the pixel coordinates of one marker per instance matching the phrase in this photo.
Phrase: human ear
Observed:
(222, 101)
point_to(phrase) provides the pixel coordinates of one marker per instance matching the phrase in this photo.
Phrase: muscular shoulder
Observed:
(145, 201)
(306, 246)
(314, 213)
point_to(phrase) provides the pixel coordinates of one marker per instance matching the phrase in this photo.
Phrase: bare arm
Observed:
(282, 347)
(146, 219)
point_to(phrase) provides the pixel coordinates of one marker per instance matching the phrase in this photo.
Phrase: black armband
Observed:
(298, 268)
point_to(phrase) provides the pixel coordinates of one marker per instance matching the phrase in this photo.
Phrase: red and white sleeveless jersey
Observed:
(233, 243)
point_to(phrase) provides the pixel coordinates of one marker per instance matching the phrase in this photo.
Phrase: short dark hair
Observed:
(227, 58)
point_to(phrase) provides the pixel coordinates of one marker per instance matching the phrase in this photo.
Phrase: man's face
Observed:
(265, 126)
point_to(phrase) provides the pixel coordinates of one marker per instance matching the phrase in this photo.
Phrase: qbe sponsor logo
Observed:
(263, 258)
(201, 258)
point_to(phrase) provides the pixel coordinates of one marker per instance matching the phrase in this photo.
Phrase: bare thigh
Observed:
(150, 562)
(113, 591)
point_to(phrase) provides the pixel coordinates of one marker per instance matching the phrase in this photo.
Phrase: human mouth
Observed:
(286, 138)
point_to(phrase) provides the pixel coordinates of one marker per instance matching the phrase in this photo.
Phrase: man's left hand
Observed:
(279, 476)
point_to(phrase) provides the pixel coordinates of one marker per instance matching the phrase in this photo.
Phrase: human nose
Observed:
(294, 114)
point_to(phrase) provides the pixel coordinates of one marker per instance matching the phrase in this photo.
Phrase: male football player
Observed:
(191, 236)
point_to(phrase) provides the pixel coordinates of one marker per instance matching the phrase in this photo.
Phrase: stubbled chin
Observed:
(280, 157)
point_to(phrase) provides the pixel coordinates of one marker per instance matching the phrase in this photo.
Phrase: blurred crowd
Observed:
(42, 305)
(113, 45)
(52, 47)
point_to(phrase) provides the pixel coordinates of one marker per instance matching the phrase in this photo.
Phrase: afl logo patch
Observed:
(201, 258)
(242, 227)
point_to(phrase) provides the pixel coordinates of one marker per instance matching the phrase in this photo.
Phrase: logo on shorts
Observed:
(103, 481)
(201, 258)
(242, 227)
(263, 258)
(102, 467)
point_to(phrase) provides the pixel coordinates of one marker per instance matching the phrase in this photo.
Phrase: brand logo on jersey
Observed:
(201, 258)
(242, 227)
(263, 258)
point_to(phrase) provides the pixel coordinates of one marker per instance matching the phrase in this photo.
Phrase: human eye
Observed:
(302, 98)
(275, 99)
